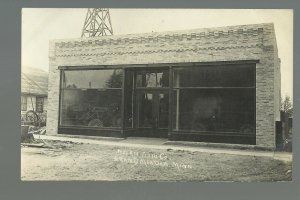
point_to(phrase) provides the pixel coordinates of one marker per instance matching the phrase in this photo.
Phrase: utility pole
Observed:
(97, 23)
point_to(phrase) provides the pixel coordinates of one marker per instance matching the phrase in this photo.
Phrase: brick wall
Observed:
(233, 43)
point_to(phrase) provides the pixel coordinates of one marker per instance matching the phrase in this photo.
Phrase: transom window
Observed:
(152, 79)
(215, 76)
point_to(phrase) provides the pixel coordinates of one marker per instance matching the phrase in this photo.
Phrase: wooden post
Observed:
(123, 103)
(170, 102)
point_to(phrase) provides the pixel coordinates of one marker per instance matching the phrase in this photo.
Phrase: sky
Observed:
(39, 25)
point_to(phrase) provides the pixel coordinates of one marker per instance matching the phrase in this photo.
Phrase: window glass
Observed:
(39, 104)
(93, 79)
(152, 79)
(145, 109)
(215, 99)
(215, 110)
(93, 99)
(163, 112)
(215, 76)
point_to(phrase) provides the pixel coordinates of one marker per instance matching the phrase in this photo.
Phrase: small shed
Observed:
(34, 92)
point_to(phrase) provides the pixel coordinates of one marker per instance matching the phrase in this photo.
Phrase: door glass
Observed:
(163, 79)
(145, 110)
(163, 112)
(149, 79)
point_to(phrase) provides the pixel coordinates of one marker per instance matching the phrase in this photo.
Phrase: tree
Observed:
(287, 106)
(115, 80)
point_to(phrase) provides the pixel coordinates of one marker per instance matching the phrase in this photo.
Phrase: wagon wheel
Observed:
(95, 123)
(31, 116)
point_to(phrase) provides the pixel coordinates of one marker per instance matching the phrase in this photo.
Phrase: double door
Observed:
(152, 111)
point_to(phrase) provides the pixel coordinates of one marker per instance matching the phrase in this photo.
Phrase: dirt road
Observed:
(77, 161)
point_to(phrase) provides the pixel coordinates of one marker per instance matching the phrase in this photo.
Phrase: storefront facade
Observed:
(211, 85)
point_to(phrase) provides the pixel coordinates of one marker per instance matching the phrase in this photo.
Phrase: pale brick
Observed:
(246, 42)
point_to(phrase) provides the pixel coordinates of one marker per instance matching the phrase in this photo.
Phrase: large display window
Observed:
(184, 101)
(214, 99)
(91, 98)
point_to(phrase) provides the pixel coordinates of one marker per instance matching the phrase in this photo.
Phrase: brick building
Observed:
(212, 85)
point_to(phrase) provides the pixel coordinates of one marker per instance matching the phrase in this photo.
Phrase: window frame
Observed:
(171, 66)
(175, 89)
(61, 88)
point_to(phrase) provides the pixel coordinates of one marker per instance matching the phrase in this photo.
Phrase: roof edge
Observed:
(202, 32)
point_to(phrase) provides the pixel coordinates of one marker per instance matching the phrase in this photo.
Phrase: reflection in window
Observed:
(93, 79)
(152, 79)
(223, 104)
(215, 76)
(229, 110)
(145, 110)
(163, 114)
(91, 98)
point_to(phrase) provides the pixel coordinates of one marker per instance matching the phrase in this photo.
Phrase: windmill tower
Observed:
(97, 23)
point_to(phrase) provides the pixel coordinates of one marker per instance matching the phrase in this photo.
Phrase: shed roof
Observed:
(34, 81)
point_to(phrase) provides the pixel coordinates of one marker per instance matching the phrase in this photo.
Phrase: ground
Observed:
(82, 161)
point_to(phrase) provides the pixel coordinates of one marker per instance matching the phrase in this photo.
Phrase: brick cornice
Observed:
(159, 37)
(210, 48)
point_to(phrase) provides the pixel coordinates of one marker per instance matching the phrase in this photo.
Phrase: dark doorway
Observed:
(152, 111)
(152, 102)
